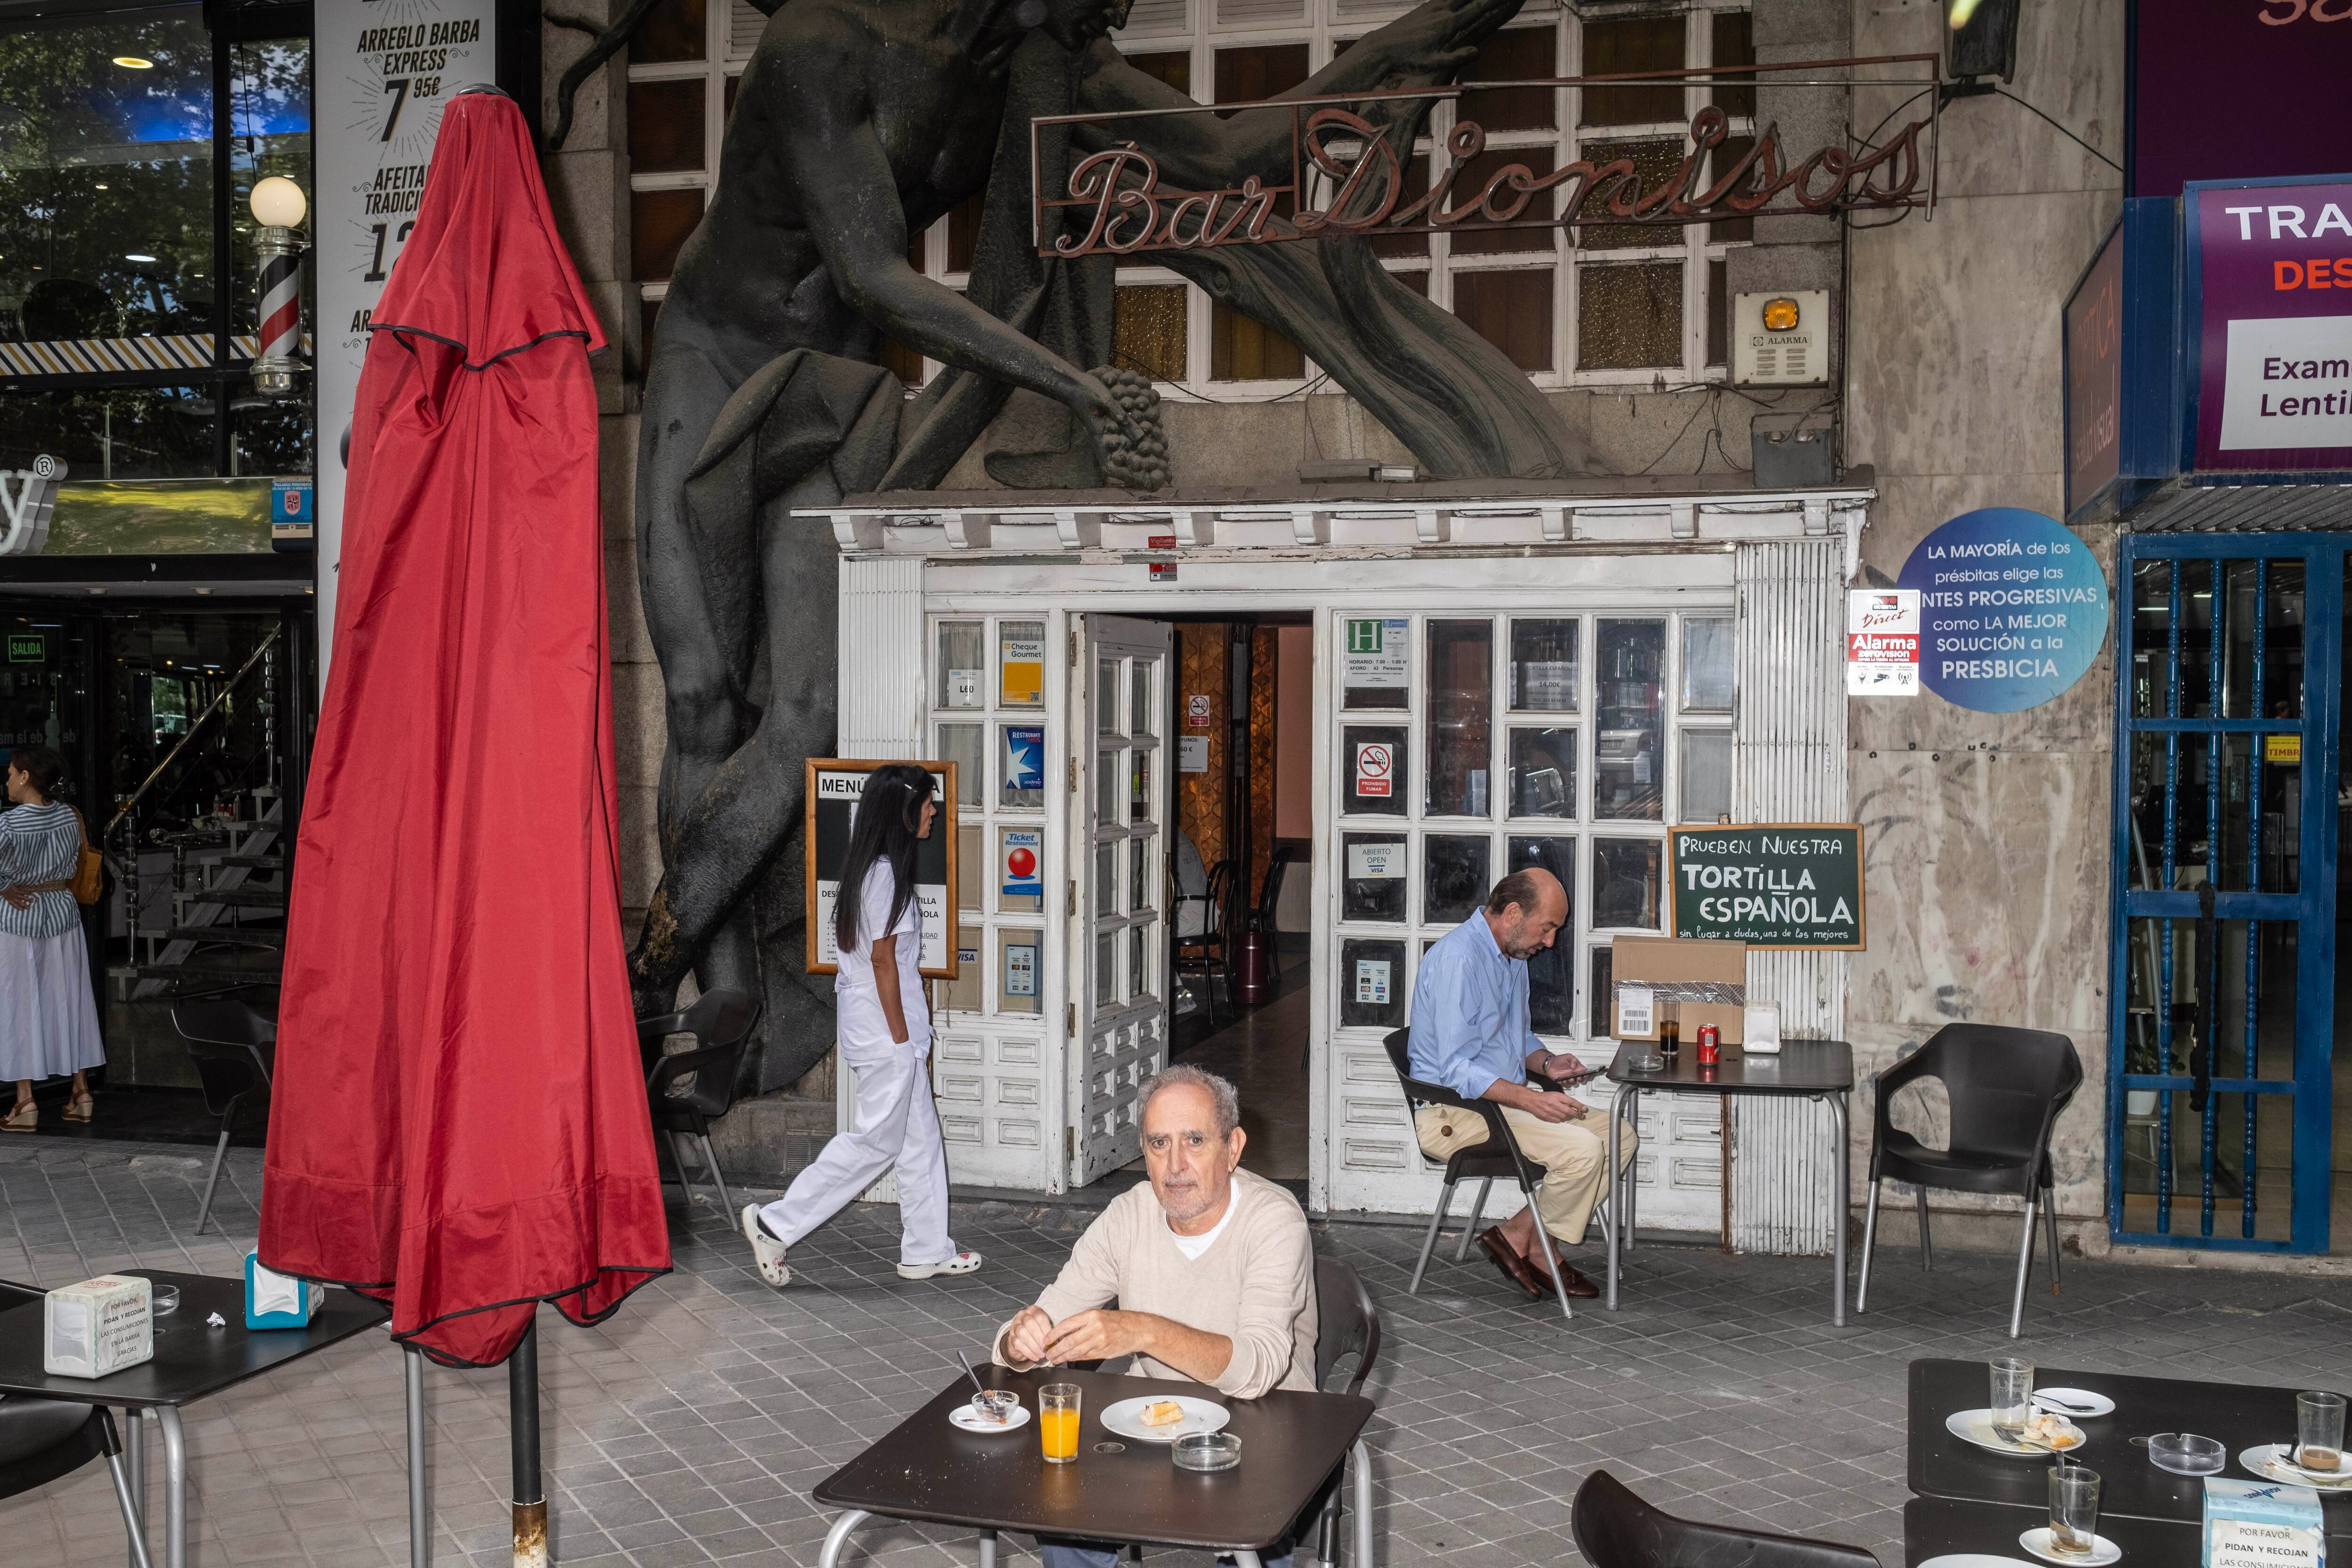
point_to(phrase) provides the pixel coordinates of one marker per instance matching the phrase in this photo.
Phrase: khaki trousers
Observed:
(1571, 1154)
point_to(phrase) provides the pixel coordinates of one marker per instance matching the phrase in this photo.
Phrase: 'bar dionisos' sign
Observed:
(2271, 269)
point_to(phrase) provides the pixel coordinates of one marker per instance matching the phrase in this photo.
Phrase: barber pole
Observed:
(277, 205)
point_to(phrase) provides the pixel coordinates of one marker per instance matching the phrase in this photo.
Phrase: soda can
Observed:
(1710, 1044)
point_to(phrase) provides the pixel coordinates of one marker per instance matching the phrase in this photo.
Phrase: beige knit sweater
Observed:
(1256, 1285)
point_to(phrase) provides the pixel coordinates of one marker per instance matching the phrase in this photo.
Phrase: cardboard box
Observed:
(1707, 979)
(97, 1327)
(2262, 1524)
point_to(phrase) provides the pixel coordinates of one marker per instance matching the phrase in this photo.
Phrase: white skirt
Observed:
(49, 1019)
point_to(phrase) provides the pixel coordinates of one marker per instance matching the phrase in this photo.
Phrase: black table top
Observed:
(191, 1358)
(2239, 1416)
(1803, 1067)
(926, 1469)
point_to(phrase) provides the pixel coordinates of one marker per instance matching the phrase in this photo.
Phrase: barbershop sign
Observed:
(2270, 270)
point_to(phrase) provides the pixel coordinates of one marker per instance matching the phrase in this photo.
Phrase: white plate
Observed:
(2270, 1461)
(1126, 1418)
(966, 1418)
(2097, 1404)
(1974, 1559)
(1976, 1427)
(2103, 1551)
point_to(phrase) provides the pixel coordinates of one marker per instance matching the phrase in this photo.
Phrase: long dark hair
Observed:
(43, 765)
(889, 823)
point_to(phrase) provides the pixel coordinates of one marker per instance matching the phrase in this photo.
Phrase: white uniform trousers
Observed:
(897, 1125)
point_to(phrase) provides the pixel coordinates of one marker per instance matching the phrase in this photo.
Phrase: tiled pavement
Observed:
(691, 1427)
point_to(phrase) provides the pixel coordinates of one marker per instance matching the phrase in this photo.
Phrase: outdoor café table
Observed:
(927, 1469)
(2237, 1415)
(192, 1360)
(1939, 1527)
(1816, 1069)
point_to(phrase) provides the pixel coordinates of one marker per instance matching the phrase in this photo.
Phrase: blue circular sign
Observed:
(2012, 609)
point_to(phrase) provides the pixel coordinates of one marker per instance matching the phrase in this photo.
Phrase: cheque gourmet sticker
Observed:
(2012, 609)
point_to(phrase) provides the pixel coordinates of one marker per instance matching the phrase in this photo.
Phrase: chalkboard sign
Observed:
(834, 785)
(1787, 884)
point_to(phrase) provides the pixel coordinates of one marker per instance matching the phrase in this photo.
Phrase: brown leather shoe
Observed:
(1506, 1258)
(1576, 1285)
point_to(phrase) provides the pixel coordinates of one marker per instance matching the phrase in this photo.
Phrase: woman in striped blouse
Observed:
(48, 1018)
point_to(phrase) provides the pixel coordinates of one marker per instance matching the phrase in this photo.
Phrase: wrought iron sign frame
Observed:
(1355, 158)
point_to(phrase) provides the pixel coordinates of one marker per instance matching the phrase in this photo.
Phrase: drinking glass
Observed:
(1670, 1028)
(1057, 1422)
(2319, 1431)
(2012, 1396)
(2073, 1509)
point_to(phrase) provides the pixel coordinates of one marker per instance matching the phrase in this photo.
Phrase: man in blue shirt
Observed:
(1470, 1033)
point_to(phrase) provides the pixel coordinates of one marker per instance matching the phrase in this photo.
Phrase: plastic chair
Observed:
(1268, 892)
(721, 1022)
(42, 1439)
(1499, 1155)
(2006, 1087)
(1346, 1323)
(1206, 952)
(1615, 1529)
(233, 1048)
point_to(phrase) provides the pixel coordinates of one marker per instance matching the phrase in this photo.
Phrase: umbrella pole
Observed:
(522, 1403)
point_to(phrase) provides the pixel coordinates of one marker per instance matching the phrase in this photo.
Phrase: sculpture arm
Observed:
(849, 200)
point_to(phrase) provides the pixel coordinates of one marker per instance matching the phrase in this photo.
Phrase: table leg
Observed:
(175, 1487)
(420, 1501)
(1244, 1559)
(1839, 1112)
(134, 1465)
(988, 1549)
(1360, 1462)
(838, 1536)
(1615, 1229)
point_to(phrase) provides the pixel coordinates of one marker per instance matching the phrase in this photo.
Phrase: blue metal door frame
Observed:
(2312, 906)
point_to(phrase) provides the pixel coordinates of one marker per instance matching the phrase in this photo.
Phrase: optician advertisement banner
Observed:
(2271, 270)
(2012, 609)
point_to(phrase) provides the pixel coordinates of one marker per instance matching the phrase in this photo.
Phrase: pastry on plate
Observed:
(1162, 1412)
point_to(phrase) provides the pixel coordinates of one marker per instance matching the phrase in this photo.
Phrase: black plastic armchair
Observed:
(1615, 1529)
(688, 1091)
(43, 1439)
(2006, 1088)
(235, 1049)
(1346, 1323)
(1499, 1155)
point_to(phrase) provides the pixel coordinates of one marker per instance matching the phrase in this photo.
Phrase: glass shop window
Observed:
(1374, 884)
(1630, 753)
(962, 674)
(1021, 664)
(1461, 714)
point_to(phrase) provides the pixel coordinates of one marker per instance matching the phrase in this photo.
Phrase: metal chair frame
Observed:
(721, 1022)
(81, 1441)
(1337, 1285)
(226, 1040)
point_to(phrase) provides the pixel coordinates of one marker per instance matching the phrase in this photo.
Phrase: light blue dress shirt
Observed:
(1470, 1012)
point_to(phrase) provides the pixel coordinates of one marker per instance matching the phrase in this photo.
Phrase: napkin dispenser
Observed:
(2262, 1524)
(274, 1301)
(97, 1327)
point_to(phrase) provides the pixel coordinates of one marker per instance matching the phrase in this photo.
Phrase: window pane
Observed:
(1629, 318)
(1455, 875)
(1735, 44)
(1019, 863)
(1021, 765)
(1625, 883)
(959, 744)
(1521, 54)
(665, 126)
(1721, 161)
(1173, 68)
(971, 871)
(1460, 716)
(1374, 780)
(1376, 668)
(1543, 772)
(964, 664)
(1706, 774)
(1138, 961)
(1551, 975)
(136, 433)
(1138, 785)
(1511, 311)
(1640, 44)
(1107, 696)
(1141, 858)
(1719, 314)
(1139, 699)
(659, 223)
(1019, 971)
(271, 122)
(1021, 663)
(1107, 879)
(1148, 331)
(1630, 706)
(1654, 164)
(1373, 880)
(901, 361)
(1707, 665)
(1372, 984)
(1106, 782)
(1245, 76)
(274, 435)
(1543, 665)
(1242, 348)
(963, 233)
(673, 30)
(1469, 240)
(1416, 186)
(1105, 967)
(1602, 993)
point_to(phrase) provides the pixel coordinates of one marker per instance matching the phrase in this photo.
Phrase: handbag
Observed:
(88, 883)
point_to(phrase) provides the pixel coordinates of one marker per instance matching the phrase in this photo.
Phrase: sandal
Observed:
(24, 1118)
(79, 1109)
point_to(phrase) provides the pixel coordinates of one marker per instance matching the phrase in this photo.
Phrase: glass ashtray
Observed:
(1648, 1062)
(164, 1300)
(1206, 1451)
(2186, 1454)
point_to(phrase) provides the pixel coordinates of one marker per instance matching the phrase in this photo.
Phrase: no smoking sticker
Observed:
(1375, 763)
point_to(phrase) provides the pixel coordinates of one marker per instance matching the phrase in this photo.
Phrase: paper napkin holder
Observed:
(97, 1327)
(274, 1301)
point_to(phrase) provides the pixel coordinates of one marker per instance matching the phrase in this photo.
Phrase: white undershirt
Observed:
(1191, 1246)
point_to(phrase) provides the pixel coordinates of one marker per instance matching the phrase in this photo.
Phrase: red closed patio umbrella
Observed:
(458, 1123)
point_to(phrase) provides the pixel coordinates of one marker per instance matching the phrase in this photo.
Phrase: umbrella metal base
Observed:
(531, 1536)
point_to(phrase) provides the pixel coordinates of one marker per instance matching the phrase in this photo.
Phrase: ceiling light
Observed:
(100, 186)
(136, 255)
(133, 62)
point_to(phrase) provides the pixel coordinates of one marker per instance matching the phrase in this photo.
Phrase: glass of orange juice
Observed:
(1057, 1422)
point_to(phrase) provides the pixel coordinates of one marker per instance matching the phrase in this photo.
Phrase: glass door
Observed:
(2220, 1081)
(1121, 1032)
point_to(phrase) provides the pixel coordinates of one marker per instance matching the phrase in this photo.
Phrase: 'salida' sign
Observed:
(1347, 178)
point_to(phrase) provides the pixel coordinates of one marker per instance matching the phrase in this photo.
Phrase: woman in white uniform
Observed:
(886, 1038)
(48, 1018)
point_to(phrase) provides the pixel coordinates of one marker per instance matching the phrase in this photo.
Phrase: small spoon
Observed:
(968, 1373)
(2055, 1402)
